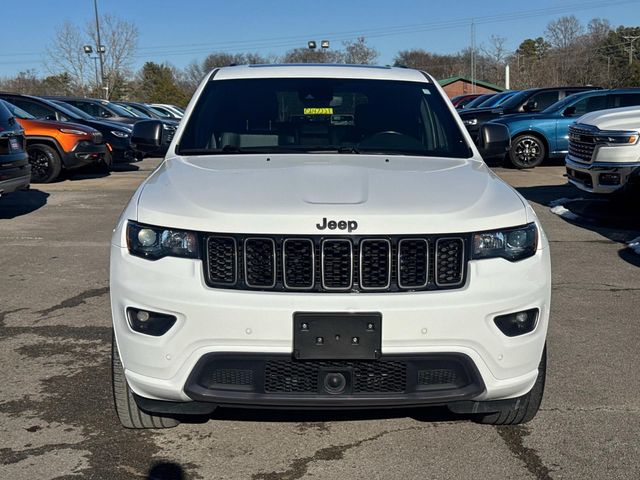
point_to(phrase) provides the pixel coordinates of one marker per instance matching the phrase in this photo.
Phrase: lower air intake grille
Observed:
(302, 377)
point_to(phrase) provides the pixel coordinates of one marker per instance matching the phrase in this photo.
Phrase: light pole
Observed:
(88, 49)
(101, 50)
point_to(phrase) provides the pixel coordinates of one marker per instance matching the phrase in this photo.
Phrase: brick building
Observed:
(460, 85)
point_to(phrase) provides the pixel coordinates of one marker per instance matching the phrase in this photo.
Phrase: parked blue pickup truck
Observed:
(537, 136)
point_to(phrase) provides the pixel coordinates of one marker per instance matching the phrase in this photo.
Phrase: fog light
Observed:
(150, 323)
(519, 323)
(609, 179)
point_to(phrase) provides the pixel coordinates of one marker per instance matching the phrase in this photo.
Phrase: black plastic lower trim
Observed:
(251, 390)
(173, 408)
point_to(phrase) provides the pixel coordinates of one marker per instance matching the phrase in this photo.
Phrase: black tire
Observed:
(130, 415)
(45, 163)
(527, 151)
(526, 407)
(106, 164)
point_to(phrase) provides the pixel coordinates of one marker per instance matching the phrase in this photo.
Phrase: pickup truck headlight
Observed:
(512, 244)
(617, 139)
(119, 134)
(471, 121)
(157, 242)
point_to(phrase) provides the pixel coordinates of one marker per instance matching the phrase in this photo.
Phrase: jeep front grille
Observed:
(334, 264)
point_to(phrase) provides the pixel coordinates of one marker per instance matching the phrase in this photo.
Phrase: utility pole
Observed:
(630, 39)
(100, 49)
(473, 56)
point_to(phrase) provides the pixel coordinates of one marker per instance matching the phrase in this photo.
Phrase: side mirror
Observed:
(494, 140)
(569, 111)
(147, 135)
(530, 106)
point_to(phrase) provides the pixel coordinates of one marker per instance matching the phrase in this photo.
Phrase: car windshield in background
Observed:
(475, 103)
(18, 112)
(123, 112)
(134, 111)
(69, 110)
(321, 115)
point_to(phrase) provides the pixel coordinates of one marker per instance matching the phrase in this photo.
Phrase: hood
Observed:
(524, 117)
(108, 124)
(292, 193)
(45, 124)
(475, 111)
(627, 118)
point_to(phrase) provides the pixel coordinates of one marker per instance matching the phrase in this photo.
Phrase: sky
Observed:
(181, 31)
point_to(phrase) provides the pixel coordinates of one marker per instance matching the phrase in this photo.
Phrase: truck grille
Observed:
(334, 264)
(582, 143)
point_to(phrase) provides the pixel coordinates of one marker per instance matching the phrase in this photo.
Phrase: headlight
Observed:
(168, 127)
(513, 243)
(119, 134)
(617, 139)
(471, 121)
(156, 242)
(73, 131)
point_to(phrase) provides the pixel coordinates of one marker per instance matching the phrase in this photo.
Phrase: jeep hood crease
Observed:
(250, 194)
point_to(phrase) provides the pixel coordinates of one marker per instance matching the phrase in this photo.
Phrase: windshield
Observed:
(496, 99)
(274, 115)
(136, 112)
(159, 112)
(565, 102)
(18, 112)
(123, 112)
(70, 111)
(478, 100)
(515, 100)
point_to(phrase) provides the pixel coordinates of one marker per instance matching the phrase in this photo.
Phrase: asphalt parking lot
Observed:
(56, 414)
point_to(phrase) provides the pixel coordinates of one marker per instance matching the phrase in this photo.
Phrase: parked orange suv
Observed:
(53, 146)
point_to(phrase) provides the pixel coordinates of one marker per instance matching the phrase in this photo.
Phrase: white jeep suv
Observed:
(326, 237)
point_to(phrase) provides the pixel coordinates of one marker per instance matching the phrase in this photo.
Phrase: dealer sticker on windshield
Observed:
(318, 111)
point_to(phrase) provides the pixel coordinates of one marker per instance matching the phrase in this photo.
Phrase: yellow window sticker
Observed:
(318, 111)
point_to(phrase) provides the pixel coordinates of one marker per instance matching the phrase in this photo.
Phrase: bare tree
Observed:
(358, 52)
(65, 55)
(120, 39)
(307, 55)
(563, 32)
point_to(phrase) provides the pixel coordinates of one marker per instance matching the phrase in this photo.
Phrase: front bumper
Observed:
(210, 321)
(587, 176)
(84, 153)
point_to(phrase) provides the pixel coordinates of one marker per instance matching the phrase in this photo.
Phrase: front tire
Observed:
(526, 407)
(45, 163)
(527, 151)
(130, 415)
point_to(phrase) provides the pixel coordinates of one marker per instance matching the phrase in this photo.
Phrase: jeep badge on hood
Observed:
(349, 225)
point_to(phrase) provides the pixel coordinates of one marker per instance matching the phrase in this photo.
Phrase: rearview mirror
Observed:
(147, 135)
(494, 140)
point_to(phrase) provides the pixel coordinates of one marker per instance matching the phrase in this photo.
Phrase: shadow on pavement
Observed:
(166, 471)
(614, 218)
(426, 414)
(21, 203)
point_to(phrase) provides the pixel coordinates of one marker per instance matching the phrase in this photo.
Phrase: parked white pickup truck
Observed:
(604, 152)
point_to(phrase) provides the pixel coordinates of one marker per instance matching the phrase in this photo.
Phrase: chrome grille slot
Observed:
(298, 263)
(375, 264)
(449, 261)
(337, 264)
(413, 263)
(260, 262)
(221, 260)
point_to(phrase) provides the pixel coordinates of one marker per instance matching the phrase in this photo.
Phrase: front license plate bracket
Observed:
(337, 336)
